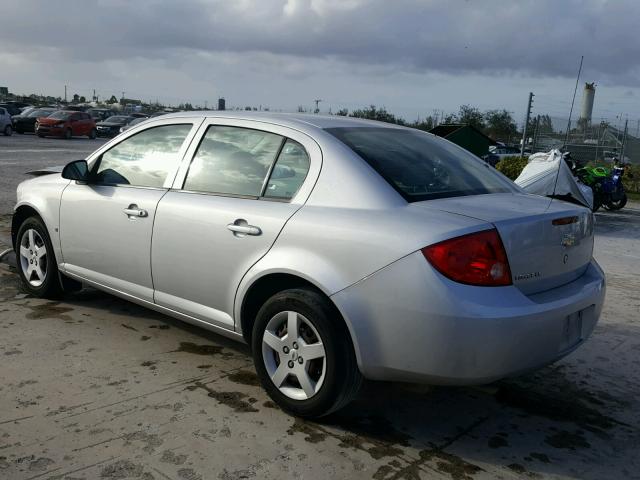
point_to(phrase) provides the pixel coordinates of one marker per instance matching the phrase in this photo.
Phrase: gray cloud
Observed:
(412, 56)
(540, 37)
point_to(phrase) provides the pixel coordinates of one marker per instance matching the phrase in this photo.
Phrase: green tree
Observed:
(112, 100)
(469, 115)
(425, 124)
(380, 114)
(343, 112)
(76, 98)
(500, 125)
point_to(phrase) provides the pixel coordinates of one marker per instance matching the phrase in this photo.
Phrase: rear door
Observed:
(106, 225)
(236, 190)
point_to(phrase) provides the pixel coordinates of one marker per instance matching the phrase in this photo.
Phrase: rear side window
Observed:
(420, 166)
(289, 172)
(233, 161)
(144, 159)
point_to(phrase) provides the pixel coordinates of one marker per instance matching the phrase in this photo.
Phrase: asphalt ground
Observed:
(23, 153)
(94, 387)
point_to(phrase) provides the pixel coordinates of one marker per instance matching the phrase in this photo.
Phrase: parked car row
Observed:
(68, 122)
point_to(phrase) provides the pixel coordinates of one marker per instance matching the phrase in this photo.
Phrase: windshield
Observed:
(117, 119)
(39, 113)
(421, 166)
(61, 115)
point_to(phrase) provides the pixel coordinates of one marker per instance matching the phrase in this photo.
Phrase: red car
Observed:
(67, 124)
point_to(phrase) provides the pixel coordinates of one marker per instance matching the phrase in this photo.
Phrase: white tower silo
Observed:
(588, 95)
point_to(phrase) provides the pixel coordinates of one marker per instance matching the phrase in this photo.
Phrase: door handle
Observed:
(133, 211)
(240, 228)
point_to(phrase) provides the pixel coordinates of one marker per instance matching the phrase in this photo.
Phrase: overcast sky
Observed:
(411, 56)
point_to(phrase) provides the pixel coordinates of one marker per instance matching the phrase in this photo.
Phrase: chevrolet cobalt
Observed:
(338, 249)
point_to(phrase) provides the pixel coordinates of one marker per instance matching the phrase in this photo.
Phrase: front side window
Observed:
(289, 172)
(421, 166)
(144, 159)
(233, 161)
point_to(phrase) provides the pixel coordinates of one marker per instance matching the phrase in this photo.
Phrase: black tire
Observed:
(8, 131)
(50, 287)
(620, 204)
(93, 134)
(342, 379)
(68, 134)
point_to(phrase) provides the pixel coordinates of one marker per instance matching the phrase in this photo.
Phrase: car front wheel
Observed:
(68, 133)
(8, 131)
(93, 134)
(36, 260)
(303, 354)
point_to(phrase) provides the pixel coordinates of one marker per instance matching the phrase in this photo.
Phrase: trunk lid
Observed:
(548, 242)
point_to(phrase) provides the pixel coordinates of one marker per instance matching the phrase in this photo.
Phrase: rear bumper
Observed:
(409, 323)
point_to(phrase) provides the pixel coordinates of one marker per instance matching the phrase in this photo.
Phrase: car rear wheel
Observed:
(93, 134)
(36, 260)
(68, 133)
(8, 131)
(303, 354)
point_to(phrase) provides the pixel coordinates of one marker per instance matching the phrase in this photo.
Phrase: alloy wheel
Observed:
(33, 257)
(294, 355)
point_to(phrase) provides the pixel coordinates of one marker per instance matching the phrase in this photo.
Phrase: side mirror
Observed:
(77, 170)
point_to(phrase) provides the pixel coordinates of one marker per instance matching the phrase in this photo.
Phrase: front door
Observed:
(106, 225)
(236, 197)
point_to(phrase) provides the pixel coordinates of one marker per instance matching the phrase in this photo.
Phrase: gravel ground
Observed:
(93, 387)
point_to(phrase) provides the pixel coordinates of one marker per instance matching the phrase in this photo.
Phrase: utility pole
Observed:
(317, 110)
(526, 123)
(65, 94)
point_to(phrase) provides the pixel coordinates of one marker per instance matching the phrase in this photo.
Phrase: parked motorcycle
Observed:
(608, 190)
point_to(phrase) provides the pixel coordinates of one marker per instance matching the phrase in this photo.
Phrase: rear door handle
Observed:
(133, 211)
(240, 228)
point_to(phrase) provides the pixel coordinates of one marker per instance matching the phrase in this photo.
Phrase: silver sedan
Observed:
(338, 249)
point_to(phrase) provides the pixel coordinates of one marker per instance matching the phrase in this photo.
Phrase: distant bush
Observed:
(631, 179)
(511, 166)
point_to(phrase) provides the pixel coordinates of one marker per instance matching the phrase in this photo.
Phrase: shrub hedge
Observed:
(511, 166)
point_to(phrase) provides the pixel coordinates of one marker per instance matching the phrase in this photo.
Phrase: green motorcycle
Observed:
(608, 190)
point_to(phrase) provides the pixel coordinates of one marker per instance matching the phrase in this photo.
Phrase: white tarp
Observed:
(547, 174)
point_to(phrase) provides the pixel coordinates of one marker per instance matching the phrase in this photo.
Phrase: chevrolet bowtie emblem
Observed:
(568, 240)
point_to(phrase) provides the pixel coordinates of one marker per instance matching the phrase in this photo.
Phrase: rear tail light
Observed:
(475, 259)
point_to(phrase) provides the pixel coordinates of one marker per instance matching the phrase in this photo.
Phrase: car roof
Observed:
(300, 121)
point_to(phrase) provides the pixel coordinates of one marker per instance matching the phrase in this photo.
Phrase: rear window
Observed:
(60, 115)
(421, 166)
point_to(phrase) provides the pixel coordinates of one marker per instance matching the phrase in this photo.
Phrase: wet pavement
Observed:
(93, 387)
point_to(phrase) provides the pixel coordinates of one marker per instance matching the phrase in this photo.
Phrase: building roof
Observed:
(445, 130)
